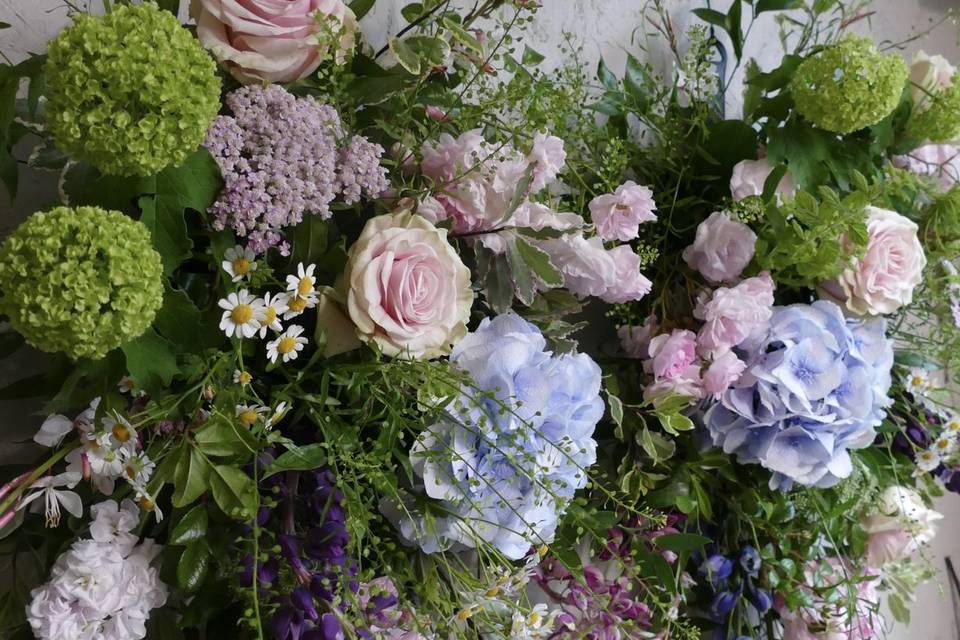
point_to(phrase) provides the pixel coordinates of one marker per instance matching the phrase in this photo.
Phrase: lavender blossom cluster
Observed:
(282, 157)
(815, 387)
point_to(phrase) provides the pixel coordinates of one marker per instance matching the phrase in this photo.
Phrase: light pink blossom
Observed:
(724, 371)
(635, 339)
(732, 315)
(722, 248)
(749, 176)
(941, 161)
(618, 215)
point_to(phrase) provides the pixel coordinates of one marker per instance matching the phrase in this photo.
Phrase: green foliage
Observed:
(937, 119)
(849, 85)
(806, 241)
(82, 281)
(131, 92)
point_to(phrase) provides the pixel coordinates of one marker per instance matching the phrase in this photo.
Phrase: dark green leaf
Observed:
(233, 491)
(191, 478)
(525, 287)
(4, 25)
(679, 542)
(712, 16)
(539, 263)
(406, 56)
(192, 526)
(777, 5)
(218, 437)
(531, 57)
(637, 81)
(151, 361)
(311, 456)
(309, 240)
(10, 341)
(173, 6)
(733, 25)
(412, 11)
(361, 8)
(498, 285)
(520, 193)
(606, 77)
(84, 185)
(432, 50)
(193, 565)
(179, 320)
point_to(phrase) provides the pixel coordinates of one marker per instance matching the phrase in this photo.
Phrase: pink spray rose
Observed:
(749, 176)
(674, 365)
(590, 270)
(883, 280)
(722, 248)
(635, 339)
(406, 288)
(628, 283)
(618, 215)
(275, 40)
(941, 161)
(901, 524)
(723, 372)
(548, 157)
(732, 315)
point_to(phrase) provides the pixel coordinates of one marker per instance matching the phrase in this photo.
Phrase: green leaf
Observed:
(412, 11)
(674, 423)
(498, 285)
(191, 478)
(192, 526)
(539, 263)
(311, 456)
(606, 77)
(151, 361)
(309, 240)
(519, 194)
(616, 409)
(193, 185)
(173, 6)
(218, 437)
(406, 56)
(777, 5)
(680, 542)
(361, 8)
(712, 16)
(4, 25)
(10, 341)
(233, 491)
(637, 81)
(733, 25)
(524, 286)
(435, 51)
(463, 36)
(179, 320)
(531, 57)
(193, 565)
(84, 185)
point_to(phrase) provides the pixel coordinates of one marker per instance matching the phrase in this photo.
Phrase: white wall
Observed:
(610, 28)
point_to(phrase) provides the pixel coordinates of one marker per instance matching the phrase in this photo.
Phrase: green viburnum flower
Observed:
(939, 121)
(848, 85)
(82, 281)
(130, 92)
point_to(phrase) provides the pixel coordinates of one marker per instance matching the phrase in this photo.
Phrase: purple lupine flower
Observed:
(750, 560)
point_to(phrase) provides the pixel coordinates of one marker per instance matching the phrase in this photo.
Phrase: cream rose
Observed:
(274, 40)
(929, 75)
(883, 280)
(406, 288)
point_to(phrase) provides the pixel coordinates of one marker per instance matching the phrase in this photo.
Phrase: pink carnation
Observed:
(732, 315)
(618, 215)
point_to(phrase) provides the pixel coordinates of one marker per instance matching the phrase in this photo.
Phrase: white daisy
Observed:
(296, 305)
(240, 314)
(278, 414)
(239, 262)
(129, 386)
(944, 445)
(536, 624)
(122, 433)
(248, 415)
(928, 460)
(952, 426)
(917, 382)
(287, 345)
(304, 283)
(139, 468)
(54, 497)
(269, 318)
(242, 378)
(146, 501)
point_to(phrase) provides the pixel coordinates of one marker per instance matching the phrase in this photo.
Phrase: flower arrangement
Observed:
(406, 343)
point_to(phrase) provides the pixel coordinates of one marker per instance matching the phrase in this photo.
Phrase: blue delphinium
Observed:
(815, 387)
(509, 454)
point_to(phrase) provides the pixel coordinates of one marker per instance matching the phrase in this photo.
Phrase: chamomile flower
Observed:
(917, 382)
(287, 345)
(122, 433)
(944, 445)
(129, 386)
(240, 314)
(303, 285)
(278, 413)
(952, 426)
(248, 415)
(146, 501)
(242, 378)
(273, 306)
(928, 460)
(239, 262)
(139, 468)
(538, 623)
(295, 305)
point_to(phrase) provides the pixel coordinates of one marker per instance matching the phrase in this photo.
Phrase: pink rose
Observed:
(445, 159)
(432, 209)
(749, 176)
(929, 75)
(635, 340)
(856, 617)
(723, 372)
(549, 159)
(628, 283)
(901, 524)
(275, 40)
(618, 215)
(732, 315)
(884, 279)
(406, 288)
(941, 161)
(672, 354)
(721, 249)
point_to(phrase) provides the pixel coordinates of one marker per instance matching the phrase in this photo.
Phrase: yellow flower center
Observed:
(305, 287)
(943, 444)
(269, 316)
(131, 473)
(534, 618)
(146, 504)
(492, 592)
(244, 378)
(287, 344)
(465, 613)
(241, 314)
(917, 381)
(247, 417)
(120, 432)
(297, 305)
(953, 425)
(241, 266)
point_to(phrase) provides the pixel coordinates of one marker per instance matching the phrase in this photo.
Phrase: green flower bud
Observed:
(849, 85)
(130, 92)
(82, 281)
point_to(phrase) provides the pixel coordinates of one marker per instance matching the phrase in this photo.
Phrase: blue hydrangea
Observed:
(512, 450)
(815, 387)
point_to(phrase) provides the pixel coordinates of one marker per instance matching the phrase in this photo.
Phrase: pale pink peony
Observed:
(618, 215)
(723, 372)
(732, 315)
(406, 288)
(635, 339)
(722, 248)
(883, 280)
(749, 176)
(275, 40)
(929, 75)
(942, 161)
